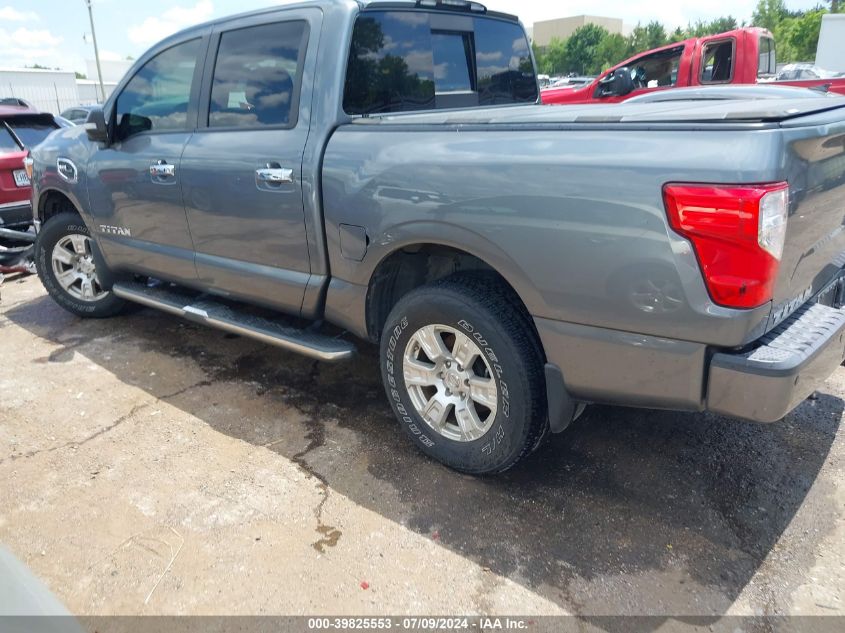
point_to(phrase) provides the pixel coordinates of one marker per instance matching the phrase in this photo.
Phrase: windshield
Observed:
(31, 131)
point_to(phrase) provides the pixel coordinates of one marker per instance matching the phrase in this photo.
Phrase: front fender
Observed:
(71, 144)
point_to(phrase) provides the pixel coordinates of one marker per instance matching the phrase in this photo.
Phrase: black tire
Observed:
(478, 306)
(52, 232)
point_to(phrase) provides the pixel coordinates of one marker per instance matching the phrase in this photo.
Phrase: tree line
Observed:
(591, 49)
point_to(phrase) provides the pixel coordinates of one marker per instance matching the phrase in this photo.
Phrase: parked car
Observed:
(63, 122)
(733, 93)
(78, 114)
(571, 82)
(21, 128)
(744, 56)
(792, 72)
(514, 262)
(15, 101)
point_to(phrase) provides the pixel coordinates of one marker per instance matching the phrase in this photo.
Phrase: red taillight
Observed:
(738, 234)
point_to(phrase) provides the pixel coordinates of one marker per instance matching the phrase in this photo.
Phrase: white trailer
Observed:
(830, 54)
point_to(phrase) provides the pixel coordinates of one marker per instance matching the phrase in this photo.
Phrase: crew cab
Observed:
(742, 56)
(322, 175)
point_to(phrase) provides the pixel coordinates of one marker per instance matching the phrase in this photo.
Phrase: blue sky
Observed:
(50, 32)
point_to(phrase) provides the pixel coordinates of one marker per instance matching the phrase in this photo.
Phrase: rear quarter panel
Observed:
(814, 165)
(573, 219)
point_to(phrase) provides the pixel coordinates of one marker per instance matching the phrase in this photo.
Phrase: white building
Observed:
(89, 90)
(831, 51)
(57, 90)
(48, 90)
(113, 69)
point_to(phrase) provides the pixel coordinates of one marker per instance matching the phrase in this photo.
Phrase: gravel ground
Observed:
(151, 466)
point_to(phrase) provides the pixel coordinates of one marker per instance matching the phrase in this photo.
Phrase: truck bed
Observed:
(600, 182)
(744, 112)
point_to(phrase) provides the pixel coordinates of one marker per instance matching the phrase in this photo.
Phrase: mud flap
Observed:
(561, 405)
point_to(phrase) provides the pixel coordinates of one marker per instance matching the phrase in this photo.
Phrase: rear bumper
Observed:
(765, 383)
(15, 214)
(761, 383)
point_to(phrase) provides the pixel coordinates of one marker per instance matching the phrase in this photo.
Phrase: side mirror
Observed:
(95, 126)
(617, 84)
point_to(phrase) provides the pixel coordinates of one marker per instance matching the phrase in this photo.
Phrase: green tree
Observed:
(554, 60)
(612, 49)
(769, 14)
(798, 38)
(644, 38)
(582, 48)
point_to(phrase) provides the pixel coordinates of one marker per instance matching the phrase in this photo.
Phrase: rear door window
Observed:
(256, 76)
(414, 60)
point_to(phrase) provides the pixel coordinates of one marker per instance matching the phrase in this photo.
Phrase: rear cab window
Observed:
(8, 144)
(767, 61)
(406, 60)
(26, 131)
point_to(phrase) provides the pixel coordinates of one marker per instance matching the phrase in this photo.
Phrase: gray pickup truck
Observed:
(385, 168)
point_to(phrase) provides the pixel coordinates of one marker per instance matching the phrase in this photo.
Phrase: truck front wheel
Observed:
(66, 266)
(463, 372)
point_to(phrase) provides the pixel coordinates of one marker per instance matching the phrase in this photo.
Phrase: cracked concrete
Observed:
(150, 466)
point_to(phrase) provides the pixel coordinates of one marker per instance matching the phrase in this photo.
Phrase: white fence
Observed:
(50, 91)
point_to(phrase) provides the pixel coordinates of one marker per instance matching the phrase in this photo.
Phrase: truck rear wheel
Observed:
(65, 264)
(463, 372)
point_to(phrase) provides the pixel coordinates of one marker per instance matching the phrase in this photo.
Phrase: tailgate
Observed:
(814, 252)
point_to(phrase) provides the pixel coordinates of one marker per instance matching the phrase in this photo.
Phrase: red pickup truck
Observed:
(743, 56)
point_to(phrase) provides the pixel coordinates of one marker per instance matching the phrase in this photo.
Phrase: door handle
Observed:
(273, 174)
(161, 169)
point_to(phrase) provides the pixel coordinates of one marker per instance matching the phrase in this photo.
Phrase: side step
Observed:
(208, 311)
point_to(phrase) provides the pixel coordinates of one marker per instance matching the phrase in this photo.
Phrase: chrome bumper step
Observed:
(209, 311)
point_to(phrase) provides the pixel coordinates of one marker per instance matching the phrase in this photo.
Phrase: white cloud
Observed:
(30, 38)
(24, 47)
(111, 56)
(156, 28)
(10, 14)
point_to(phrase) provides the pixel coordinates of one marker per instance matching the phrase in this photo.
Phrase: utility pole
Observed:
(96, 51)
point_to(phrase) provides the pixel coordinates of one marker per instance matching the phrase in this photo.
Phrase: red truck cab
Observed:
(743, 56)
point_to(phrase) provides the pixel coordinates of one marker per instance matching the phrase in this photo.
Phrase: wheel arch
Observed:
(419, 259)
(52, 202)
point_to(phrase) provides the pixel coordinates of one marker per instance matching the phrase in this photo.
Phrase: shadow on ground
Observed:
(628, 512)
